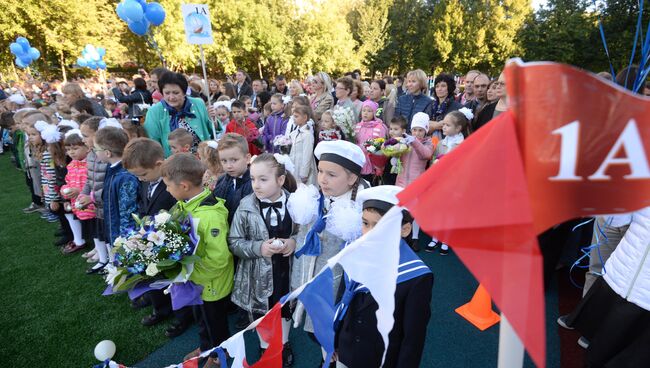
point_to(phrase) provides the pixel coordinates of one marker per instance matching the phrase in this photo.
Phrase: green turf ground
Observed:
(51, 313)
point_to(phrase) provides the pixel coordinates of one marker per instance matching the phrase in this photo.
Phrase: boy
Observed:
(180, 140)
(120, 187)
(183, 175)
(143, 157)
(236, 184)
(241, 125)
(396, 129)
(358, 342)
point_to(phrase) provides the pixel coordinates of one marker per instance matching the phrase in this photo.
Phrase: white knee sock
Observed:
(100, 248)
(444, 246)
(111, 256)
(416, 230)
(75, 226)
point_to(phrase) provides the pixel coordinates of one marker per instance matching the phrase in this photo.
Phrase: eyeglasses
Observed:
(97, 149)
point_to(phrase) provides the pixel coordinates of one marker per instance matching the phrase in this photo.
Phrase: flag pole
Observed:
(511, 349)
(206, 87)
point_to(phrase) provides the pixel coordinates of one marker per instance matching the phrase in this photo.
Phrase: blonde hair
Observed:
(230, 140)
(210, 157)
(421, 77)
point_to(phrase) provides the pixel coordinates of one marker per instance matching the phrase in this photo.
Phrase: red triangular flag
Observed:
(191, 363)
(270, 329)
(476, 200)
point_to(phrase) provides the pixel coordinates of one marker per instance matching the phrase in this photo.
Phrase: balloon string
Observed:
(601, 238)
(602, 37)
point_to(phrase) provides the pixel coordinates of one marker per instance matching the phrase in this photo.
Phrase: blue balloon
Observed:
(133, 10)
(101, 64)
(22, 41)
(142, 3)
(101, 51)
(34, 53)
(16, 49)
(20, 64)
(82, 62)
(92, 65)
(120, 12)
(25, 58)
(155, 14)
(139, 28)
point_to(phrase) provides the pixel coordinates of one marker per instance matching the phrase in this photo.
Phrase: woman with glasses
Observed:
(321, 99)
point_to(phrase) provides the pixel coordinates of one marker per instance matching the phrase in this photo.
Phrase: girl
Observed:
(92, 194)
(368, 128)
(302, 145)
(328, 130)
(415, 161)
(222, 117)
(290, 105)
(339, 179)
(81, 218)
(209, 155)
(133, 128)
(33, 156)
(275, 124)
(455, 126)
(262, 235)
(28, 160)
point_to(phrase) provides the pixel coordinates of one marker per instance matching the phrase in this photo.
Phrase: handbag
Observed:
(140, 109)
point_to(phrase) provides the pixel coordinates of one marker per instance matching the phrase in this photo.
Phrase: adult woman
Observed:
(140, 95)
(443, 103)
(322, 99)
(386, 108)
(295, 89)
(344, 113)
(214, 89)
(414, 100)
(177, 110)
(356, 96)
(228, 89)
(491, 92)
(492, 110)
(73, 92)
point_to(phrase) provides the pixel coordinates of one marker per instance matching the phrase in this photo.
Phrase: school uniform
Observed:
(233, 190)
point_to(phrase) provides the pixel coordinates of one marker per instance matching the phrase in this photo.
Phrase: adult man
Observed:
(242, 87)
(480, 86)
(468, 95)
(258, 91)
(280, 85)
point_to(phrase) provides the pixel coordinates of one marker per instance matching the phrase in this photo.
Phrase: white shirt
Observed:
(274, 217)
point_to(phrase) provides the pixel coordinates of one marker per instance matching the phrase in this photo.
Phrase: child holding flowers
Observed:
(368, 129)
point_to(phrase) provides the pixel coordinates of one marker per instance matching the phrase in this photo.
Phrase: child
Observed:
(209, 155)
(33, 155)
(415, 161)
(81, 218)
(251, 112)
(120, 187)
(275, 124)
(26, 160)
(396, 129)
(92, 194)
(328, 130)
(262, 235)
(143, 158)
(133, 128)
(358, 341)
(241, 125)
(302, 145)
(454, 126)
(222, 116)
(180, 141)
(339, 179)
(369, 128)
(183, 173)
(236, 183)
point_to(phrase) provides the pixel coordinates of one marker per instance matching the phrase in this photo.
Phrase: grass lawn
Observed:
(51, 313)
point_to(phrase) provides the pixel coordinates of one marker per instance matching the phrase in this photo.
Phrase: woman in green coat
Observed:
(176, 110)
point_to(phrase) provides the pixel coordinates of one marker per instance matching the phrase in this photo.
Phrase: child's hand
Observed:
(268, 249)
(289, 247)
(73, 192)
(408, 139)
(55, 206)
(83, 200)
(435, 125)
(212, 112)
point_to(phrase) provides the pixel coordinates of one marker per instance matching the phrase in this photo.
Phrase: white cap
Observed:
(17, 99)
(344, 153)
(420, 120)
(383, 197)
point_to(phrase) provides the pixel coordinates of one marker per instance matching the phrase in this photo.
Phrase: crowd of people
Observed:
(232, 153)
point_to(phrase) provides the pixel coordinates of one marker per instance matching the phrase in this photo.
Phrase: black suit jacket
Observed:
(160, 200)
(360, 345)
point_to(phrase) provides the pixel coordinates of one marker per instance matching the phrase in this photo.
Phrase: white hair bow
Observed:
(40, 125)
(69, 123)
(286, 99)
(51, 134)
(109, 122)
(74, 131)
(467, 112)
(226, 104)
(213, 144)
(286, 161)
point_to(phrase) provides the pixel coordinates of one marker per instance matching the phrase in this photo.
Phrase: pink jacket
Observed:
(364, 131)
(76, 178)
(414, 162)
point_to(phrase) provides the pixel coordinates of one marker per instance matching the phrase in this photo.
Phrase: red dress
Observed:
(249, 131)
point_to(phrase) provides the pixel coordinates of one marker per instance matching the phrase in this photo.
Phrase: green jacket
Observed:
(19, 148)
(156, 123)
(216, 269)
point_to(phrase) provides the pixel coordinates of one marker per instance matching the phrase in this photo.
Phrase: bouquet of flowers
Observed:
(373, 146)
(344, 119)
(395, 148)
(164, 245)
(282, 143)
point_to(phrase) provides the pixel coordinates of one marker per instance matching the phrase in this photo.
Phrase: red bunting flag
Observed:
(572, 146)
(270, 329)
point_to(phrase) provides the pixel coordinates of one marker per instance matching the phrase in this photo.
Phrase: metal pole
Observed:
(511, 349)
(207, 89)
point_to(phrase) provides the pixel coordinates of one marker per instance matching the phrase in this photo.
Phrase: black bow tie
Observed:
(271, 206)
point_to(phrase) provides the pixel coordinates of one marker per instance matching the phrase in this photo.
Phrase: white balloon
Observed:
(104, 350)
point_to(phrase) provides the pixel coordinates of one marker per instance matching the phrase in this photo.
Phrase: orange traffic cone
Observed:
(479, 310)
